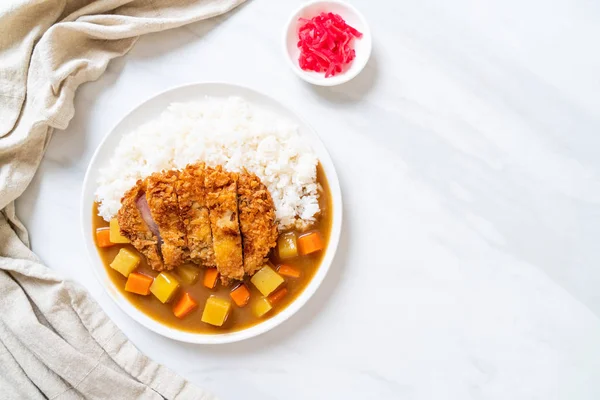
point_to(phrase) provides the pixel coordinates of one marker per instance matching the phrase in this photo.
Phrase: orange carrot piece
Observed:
(310, 243)
(275, 297)
(240, 295)
(184, 306)
(103, 237)
(138, 283)
(210, 277)
(288, 270)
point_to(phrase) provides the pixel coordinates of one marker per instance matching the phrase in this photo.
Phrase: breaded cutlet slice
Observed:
(257, 221)
(194, 214)
(162, 200)
(134, 228)
(221, 199)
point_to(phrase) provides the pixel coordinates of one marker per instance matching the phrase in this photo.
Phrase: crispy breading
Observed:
(207, 215)
(194, 214)
(221, 199)
(257, 221)
(135, 229)
(162, 200)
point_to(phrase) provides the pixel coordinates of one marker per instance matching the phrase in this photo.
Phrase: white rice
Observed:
(230, 132)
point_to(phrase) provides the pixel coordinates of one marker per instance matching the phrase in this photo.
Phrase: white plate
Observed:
(149, 110)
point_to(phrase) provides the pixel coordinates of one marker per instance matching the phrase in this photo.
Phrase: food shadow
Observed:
(354, 90)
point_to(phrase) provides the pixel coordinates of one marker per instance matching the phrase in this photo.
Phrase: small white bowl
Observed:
(352, 17)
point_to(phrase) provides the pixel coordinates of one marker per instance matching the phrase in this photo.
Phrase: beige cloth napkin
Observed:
(55, 342)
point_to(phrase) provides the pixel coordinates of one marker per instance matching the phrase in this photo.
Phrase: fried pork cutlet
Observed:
(194, 214)
(134, 227)
(257, 221)
(162, 200)
(221, 199)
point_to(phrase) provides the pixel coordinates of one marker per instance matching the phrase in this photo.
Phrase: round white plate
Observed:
(149, 110)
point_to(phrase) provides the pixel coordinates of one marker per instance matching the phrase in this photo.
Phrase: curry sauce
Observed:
(239, 317)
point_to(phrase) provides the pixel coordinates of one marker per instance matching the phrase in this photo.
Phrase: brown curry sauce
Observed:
(239, 317)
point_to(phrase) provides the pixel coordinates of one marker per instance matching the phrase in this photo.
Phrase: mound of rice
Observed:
(230, 132)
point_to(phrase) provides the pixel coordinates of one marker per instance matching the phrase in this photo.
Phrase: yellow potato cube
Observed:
(115, 233)
(287, 247)
(188, 273)
(164, 286)
(261, 307)
(216, 311)
(125, 262)
(266, 280)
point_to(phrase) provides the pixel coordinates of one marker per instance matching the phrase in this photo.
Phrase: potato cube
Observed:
(164, 286)
(115, 232)
(188, 273)
(287, 246)
(125, 262)
(261, 307)
(216, 311)
(266, 280)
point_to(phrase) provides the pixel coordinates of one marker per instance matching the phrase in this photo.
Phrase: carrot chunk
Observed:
(240, 295)
(287, 270)
(184, 306)
(275, 297)
(138, 283)
(103, 237)
(210, 277)
(310, 243)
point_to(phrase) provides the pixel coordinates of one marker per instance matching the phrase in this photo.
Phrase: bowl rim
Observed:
(230, 337)
(338, 79)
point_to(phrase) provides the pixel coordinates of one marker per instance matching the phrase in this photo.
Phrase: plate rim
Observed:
(200, 338)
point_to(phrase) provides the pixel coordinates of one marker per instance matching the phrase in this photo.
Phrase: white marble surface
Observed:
(467, 150)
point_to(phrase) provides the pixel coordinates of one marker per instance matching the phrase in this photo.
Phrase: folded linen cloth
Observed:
(55, 342)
